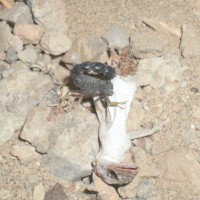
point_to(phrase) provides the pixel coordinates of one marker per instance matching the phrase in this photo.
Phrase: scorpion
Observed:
(91, 86)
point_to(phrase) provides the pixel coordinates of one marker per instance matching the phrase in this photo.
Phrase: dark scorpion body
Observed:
(93, 86)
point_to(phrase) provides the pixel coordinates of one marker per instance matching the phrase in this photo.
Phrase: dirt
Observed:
(84, 17)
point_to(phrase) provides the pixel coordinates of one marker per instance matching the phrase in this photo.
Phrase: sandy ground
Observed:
(84, 17)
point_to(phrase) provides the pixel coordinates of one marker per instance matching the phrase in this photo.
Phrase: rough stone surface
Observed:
(9, 123)
(56, 193)
(55, 42)
(180, 171)
(46, 13)
(25, 153)
(4, 32)
(89, 48)
(23, 89)
(116, 37)
(15, 42)
(39, 192)
(2, 56)
(135, 117)
(160, 73)
(190, 41)
(28, 55)
(146, 45)
(28, 33)
(76, 147)
(11, 55)
(43, 126)
(19, 13)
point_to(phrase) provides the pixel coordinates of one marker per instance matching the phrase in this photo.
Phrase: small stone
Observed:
(2, 56)
(195, 90)
(146, 45)
(190, 41)
(45, 13)
(25, 153)
(39, 192)
(15, 42)
(11, 55)
(4, 32)
(28, 33)
(135, 116)
(28, 56)
(160, 73)
(116, 37)
(89, 48)
(43, 126)
(56, 193)
(73, 150)
(18, 13)
(180, 171)
(55, 42)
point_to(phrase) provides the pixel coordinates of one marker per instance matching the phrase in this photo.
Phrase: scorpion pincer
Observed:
(93, 86)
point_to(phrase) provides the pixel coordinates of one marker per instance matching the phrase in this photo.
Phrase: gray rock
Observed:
(15, 42)
(89, 48)
(146, 45)
(76, 147)
(25, 153)
(11, 55)
(55, 42)
(4, 32)
(116, 37)
(23, 89)
(46, 14)
(160, 73)
(18, 13)
(28, 55)
(190, 41)
(146, 189)
(9, 123)
(43, 126)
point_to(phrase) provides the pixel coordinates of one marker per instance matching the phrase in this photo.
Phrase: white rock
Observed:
(160, 73)
(4, 32)
(89, 48)
(55, 42)
(146, 45)
(116, 37)
(46, 14)
(25, 153)
(28, 33)
(39, 192)
(18, 13)
(190, 41)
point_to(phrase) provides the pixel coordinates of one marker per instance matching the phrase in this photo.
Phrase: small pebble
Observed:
(11, 55)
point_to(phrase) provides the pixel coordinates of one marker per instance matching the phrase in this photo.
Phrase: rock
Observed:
(4, 67)
(146, 45)
(9, 123)
(106, 192)
(28, 55)
(2, 56)
(55, 42)
(196, 112)
(46, 14)
(163, 74)
(116, 37)
(71, 157)
(25, 153)
(5, 194)
(190, 41)
(24, 89)
(56, 193)
(43, 126)
(159, 148)
(135, 116)
(15, 42)
(51, 98)
(88, 48)
(4, 32)
(11, 55)
(180, 171)
(39, 192)
(19, 13)
(28, 33)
